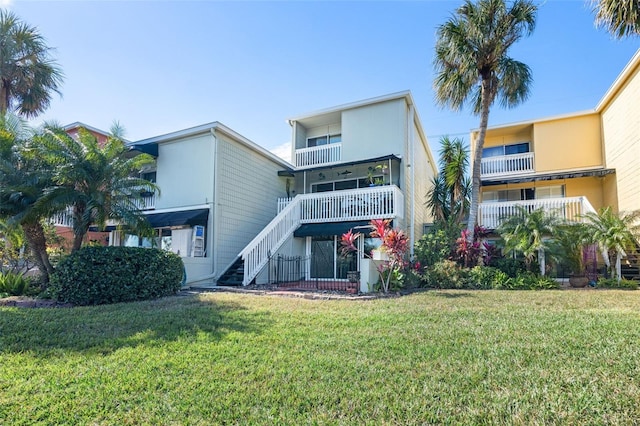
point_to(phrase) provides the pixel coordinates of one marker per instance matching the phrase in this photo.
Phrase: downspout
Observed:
(412, 203)
(214, 239)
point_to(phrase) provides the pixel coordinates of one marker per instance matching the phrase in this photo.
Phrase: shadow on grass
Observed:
(448, 295)
(104, 329)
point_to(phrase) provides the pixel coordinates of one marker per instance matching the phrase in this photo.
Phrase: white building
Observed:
(352, 163)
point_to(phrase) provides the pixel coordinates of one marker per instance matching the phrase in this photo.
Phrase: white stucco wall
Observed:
(374, 130)
(185, 172)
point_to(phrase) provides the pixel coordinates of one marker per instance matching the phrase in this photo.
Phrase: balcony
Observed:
(507, 165)
(148, 201)
(65, 218)
(322, 155)
(491, 215)
(350, 205)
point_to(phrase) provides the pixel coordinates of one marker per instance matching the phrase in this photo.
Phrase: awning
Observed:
(291, 173)
(179, 218)
(147, 148)
(550, 176)
(333, 228)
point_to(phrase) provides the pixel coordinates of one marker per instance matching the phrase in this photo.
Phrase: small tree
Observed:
(395, 244)
(614, 234)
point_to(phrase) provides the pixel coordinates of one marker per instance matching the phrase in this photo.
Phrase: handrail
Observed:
(507, 165)
(318, 155)
(491, 215)
(380, 202)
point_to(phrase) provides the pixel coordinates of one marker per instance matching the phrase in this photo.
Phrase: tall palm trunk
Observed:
(34, 234)
(487, 99)
(79, 227)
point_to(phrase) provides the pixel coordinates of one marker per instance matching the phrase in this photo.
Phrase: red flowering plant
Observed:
(394, 243)
(469, 254)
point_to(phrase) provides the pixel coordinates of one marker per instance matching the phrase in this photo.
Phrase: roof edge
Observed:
(633, 63)
(539, 120)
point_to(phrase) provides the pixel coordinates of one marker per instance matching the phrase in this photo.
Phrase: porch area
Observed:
(491, 215)
(507, 165)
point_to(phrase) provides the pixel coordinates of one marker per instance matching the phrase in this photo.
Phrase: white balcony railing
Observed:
(507, 165)
(148, 202)
(379, 202)
(318, 155)
(491, 215)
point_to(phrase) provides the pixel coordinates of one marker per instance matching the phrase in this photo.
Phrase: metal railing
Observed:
(147, 202)
(491, 215)
(507, 165)
(318, 155)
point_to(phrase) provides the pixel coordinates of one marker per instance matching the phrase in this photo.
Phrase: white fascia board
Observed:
(398, 95)
(619, 81)
(212, 127)
(78, 124)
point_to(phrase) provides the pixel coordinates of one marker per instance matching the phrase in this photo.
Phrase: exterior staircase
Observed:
(234, 275)
(630, 265)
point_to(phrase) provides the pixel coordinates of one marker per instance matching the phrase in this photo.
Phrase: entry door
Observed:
(322, 256)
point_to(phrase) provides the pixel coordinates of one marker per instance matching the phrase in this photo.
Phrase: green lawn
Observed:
(435, 357)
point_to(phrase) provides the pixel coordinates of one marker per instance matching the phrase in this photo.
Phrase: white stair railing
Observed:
(380, 202)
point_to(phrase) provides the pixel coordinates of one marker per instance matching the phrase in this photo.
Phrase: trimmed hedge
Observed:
(101, 275)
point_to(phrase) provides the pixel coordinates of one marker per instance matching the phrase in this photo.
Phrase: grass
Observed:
(457, 357)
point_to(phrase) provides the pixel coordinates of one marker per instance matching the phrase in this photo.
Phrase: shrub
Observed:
(99, 275)
(510, 266)
(445, 274)
(531, 281)
(486, 277)
(614, 283)
(14, 284)
(433, 247)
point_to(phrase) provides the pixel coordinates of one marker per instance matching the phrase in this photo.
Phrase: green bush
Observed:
(445, 274)
(487, 277)
(433, 247)
(14, 284)
(531, 281)
(510, 266)
(614, 283)
(100, 275)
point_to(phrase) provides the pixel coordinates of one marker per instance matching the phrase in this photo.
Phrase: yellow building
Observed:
(568, 164)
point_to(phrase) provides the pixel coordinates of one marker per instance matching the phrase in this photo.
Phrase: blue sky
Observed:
(162, 66)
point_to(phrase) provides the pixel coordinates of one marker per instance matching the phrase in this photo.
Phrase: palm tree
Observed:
(620, 17)
(529, 233)
(28, 74)
(454, 164)
(473, 66)
(438, 199)
(98, 183)
(22, 183)
(614, 234)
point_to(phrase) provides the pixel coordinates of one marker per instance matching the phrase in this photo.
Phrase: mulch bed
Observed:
(28, 302)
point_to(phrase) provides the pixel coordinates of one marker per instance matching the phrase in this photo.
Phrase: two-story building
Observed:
(352, 163)
(568, 164)
(218, 190)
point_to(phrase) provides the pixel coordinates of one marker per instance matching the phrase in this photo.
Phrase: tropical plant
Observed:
(448, 198)
(96, 181)
(28, 73)
(621, 18)
(614, 234)
(571, 239)
(15, 256)
(472, 66)
(23, 180)
(394, 243)
(530, 233)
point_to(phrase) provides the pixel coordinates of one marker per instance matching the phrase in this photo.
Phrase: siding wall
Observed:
(621, 132)
(248, 186)
(185, 172)
(424, 172)
(374, 130)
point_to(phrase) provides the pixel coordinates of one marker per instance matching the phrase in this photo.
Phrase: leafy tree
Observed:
(472, 66)
(613, 233)
(96, 182)
(530, 233)
(28, 74)
(23, 181)
(621, 18)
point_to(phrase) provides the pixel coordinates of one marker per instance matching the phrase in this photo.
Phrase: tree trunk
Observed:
(80, 228)
(4, 98)
(487, 98)
(38, 243)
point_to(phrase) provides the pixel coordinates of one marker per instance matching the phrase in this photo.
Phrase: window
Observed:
(508, 195)
(546, 192)
(323, 140)
(150, 176)
(497, 151)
